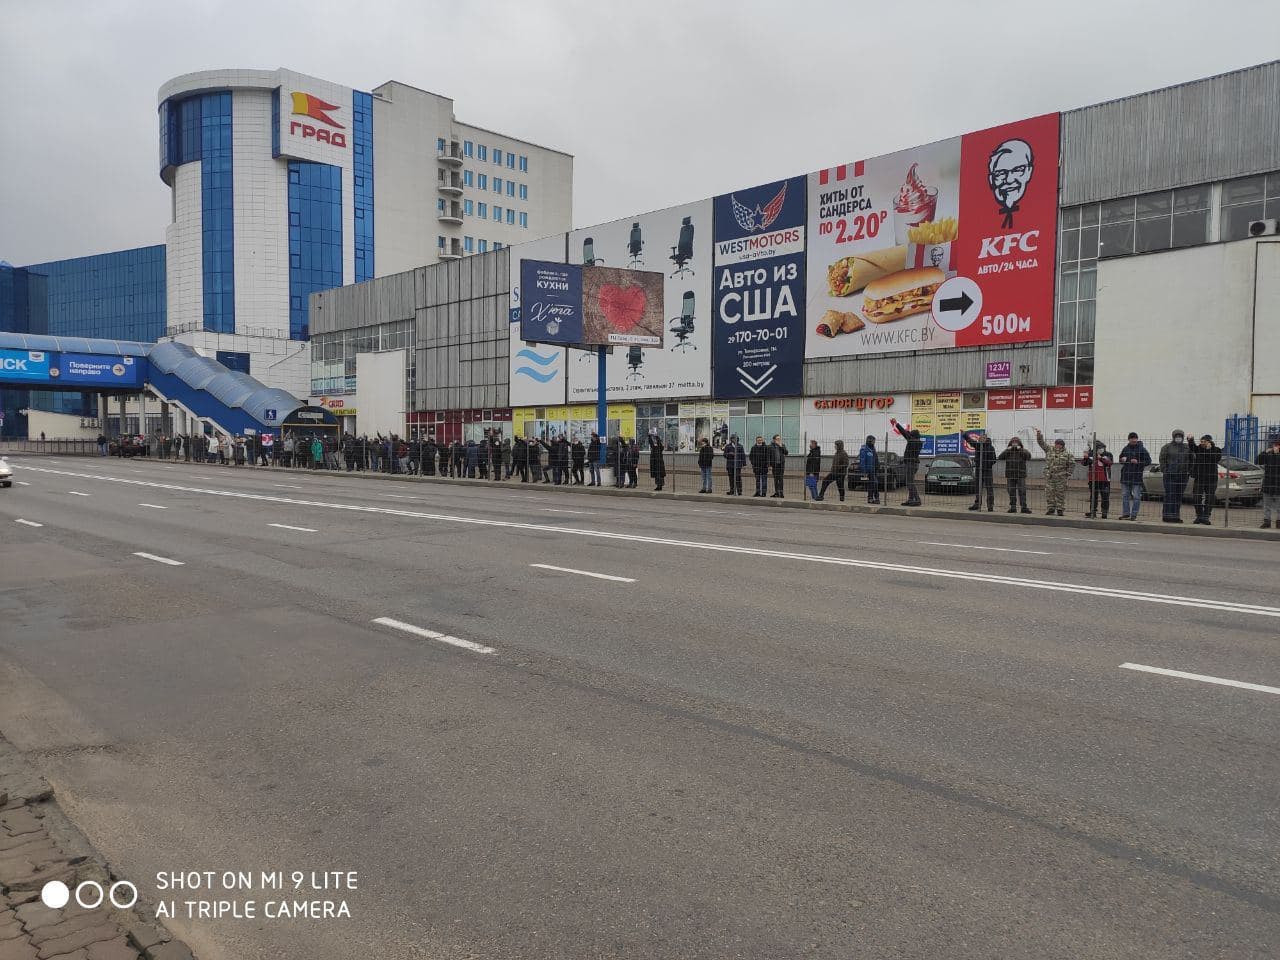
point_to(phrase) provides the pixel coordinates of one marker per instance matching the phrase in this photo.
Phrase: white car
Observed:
(6, 473)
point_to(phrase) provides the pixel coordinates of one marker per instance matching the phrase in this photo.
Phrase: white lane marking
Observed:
(285, 526)
(520, 497)
(1203, 603)
(1045, 536)
(396, 496)
(28, 523)
(584, 573)
(153, 506)
(290, 486)
(1201, 677)
(196, 476)
(558, 510)
(22, 483)
(77, 493)
(970, 546)
(152, 556)
(432, 635)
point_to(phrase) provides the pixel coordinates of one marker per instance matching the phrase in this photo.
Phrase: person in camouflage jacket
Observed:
(1058, 464)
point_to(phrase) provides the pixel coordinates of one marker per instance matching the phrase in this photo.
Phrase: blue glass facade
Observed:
(315, 237)
(362, 171)
(199, 128)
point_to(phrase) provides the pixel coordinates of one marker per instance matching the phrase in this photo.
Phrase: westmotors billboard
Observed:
(946, 245)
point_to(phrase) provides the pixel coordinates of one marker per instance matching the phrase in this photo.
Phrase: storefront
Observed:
(343, 409)
(942, 416)
(683, 423)
(574, 419)
(461, 425)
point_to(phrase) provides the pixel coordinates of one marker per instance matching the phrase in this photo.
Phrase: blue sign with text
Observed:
(24, 365)
(759, 291)
(95, 370)
(550, 302)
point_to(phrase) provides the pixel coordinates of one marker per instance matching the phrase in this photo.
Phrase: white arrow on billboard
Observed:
(756, 384)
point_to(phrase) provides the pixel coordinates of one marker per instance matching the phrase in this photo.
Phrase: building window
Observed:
(481, 151)
(497, 156)
(511, 188)
(511, 160)
(467, 179)
(482, 209)
(524, 191)
(497, 245)
(440, 144)
(1078, 249)
(524, 163)
(1246, 200)
(511, 216)
(524, 220)
(440, 205)
(497, 184)
(440, 242)
(497, 212)
(315, 237)
(484, 246)
(483, 181)
(468, 244)
(362, 182)
(468, 148)
(467, 208)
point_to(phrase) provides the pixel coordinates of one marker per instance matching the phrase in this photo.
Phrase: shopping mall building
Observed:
(1106, 269)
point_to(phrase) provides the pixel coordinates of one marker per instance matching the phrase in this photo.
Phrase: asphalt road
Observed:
(774, 734)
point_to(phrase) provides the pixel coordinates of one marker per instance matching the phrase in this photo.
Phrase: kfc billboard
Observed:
(946, 245)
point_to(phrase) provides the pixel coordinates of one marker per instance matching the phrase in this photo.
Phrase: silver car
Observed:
(1238, 480)
(6, 473)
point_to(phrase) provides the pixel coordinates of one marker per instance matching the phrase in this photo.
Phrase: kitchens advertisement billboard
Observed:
(759, 290)
(946, 245)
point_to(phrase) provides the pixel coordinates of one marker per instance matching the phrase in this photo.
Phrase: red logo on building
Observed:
(306, 105)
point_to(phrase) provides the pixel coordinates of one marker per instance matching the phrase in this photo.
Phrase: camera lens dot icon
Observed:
(55, 895)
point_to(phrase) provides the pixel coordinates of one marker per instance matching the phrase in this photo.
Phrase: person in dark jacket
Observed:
(429, 453)
(1015, 457)
(1269, 461)
(657, 460)
(473, 459)
(910, 460)
(706, 457)
(520, 458)
(984, 461)
(759, 460)
(1097, 464)
(533, 452)
(633, 462)
(869, 465)
(593, 460)
(1175, 458)
(735, 458)
(1202, 467)
(578, 456)
(812, 469)
(839, 471)
(613, 459)
(458, 465)
(778, 453)
(1134, 458)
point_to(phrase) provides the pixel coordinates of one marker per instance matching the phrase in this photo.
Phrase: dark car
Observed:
(892, 472)
(949, 474)
(128, 447)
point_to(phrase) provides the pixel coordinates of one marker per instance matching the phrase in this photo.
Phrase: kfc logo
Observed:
(1009, 172)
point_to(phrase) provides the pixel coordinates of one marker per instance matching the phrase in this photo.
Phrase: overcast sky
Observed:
(660, 102)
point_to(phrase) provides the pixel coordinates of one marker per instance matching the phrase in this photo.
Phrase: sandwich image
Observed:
(901, 294)
(850, 274)
(836, 322)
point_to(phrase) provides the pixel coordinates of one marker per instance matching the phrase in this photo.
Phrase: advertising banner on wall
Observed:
(90, 370)
(551, 306)
(677, 242)
(24, 365)
(759, 290)
(565, 303)
(313, 119)
(946, 245)
(536, 371)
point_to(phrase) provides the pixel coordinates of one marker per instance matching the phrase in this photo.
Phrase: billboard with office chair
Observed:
(759, 290)
(670, 250)
(947, 245)
(536, 370)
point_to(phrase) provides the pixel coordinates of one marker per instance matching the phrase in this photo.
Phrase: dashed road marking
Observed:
(151, 556)
(1203, 678)
(584, 573)
(433, 635)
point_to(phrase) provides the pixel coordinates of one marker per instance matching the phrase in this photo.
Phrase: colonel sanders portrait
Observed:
(1009, 173)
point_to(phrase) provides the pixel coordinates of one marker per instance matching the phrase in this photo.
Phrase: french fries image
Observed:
(934, 232)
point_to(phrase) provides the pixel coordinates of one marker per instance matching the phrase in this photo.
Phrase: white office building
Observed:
(283, 185)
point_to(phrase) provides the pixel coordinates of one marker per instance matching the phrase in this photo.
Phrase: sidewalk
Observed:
(39, 845)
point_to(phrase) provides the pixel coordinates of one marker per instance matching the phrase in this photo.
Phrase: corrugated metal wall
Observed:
(1215, 129)
(935, 370)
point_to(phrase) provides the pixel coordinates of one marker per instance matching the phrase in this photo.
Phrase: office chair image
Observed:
(635, 360)
(682, 252)
(634, 245)
(682, 326)
(589, 253)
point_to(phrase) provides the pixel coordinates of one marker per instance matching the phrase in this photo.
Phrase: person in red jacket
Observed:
(1098, 461)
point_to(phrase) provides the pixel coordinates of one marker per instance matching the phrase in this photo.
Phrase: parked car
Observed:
(6, 473)
(893, 472)
(129, 447)
(949, 474)
(1239, 480)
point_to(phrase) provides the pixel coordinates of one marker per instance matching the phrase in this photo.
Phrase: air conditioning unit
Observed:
(1262, 228)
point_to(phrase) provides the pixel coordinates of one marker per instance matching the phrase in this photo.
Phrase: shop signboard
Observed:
(946, 245)
(759, 291)
(999, 373)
